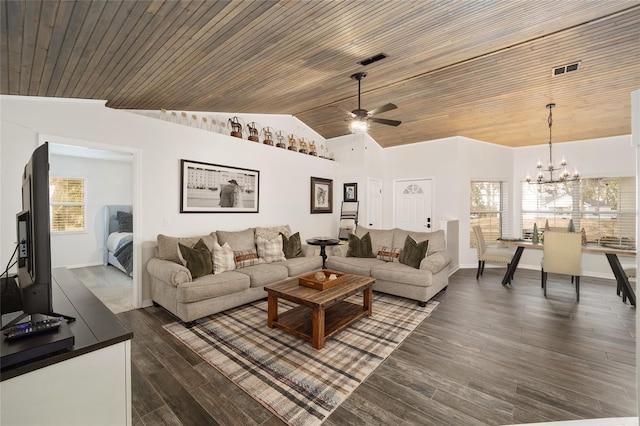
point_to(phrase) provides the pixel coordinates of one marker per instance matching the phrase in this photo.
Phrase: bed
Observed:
(118, 237)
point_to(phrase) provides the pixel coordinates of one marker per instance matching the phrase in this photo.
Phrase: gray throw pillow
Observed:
(413, 253)
(125, 221)
(360, 247)
(292, 246)
(198, 259)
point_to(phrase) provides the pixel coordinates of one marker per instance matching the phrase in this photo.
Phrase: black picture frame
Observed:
(206, 188)
(350, 192)
(321, 195)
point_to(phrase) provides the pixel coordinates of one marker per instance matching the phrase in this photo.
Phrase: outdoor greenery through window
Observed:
(67, 204)
(488, 205)
(603, 207)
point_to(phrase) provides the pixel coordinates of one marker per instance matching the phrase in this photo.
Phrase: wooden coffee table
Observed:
(321, 313)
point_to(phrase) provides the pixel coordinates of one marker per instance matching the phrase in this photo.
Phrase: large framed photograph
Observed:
(321, 195)
(212, 188)
(350, 192)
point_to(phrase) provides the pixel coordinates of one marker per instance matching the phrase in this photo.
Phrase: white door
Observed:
(374, 203)
(413, 205)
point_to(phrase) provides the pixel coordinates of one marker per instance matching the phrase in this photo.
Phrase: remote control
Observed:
(31, 328)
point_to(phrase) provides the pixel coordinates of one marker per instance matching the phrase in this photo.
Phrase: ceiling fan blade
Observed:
(383, 108)
(385, 121)
(349, 113)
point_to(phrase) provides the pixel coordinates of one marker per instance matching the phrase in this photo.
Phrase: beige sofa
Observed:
(173, 287)
(394, 277)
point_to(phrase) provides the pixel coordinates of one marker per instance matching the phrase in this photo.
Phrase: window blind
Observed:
(487, 206)
(67, 197)
(604, 207)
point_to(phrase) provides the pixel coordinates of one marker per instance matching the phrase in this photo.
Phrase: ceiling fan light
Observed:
(358, 126)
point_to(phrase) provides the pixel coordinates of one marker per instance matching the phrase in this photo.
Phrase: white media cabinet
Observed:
(89, 384)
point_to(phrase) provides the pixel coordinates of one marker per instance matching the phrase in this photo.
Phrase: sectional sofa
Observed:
(429, 276)
(188, 285)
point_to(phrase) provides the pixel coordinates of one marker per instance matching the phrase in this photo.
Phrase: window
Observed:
(488, 205)
(67, 204)
(603, 207)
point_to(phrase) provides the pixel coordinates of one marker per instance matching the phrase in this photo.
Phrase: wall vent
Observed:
(574, 66)
(373, 59)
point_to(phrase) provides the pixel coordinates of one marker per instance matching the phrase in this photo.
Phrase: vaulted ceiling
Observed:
(480, 69)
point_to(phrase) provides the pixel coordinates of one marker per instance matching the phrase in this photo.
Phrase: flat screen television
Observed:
(34, 239)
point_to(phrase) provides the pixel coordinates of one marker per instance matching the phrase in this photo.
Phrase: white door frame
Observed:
(136, 201)
(369, 212)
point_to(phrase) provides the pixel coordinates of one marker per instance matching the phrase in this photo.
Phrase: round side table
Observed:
(323, 243)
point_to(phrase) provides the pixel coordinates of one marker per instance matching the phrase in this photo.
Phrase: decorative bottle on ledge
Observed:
(534, 238)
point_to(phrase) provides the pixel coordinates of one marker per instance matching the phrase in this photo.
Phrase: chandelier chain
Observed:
(565, 176)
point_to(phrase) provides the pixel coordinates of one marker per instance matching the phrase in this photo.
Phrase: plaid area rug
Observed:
(299, 384)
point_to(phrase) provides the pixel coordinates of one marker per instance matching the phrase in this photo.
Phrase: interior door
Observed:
(413, 204)
(374, 203)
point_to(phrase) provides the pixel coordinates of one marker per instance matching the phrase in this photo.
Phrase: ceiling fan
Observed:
(361, 117)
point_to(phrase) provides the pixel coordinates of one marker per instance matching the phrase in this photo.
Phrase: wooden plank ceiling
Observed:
(480, 69)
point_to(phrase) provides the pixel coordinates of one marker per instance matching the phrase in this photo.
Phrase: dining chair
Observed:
(491, 254)
(562, 254)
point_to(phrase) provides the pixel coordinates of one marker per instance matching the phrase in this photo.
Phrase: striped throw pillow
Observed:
(388, 254)
(246, 258)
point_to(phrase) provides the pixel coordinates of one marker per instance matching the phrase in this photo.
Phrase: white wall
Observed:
(159, 145)
(452, 163)
(284, 180)
(106, 182)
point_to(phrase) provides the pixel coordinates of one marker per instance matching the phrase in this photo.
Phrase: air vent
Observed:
(373, 59)
(566, 68)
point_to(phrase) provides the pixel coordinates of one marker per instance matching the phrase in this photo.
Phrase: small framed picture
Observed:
(350, 192)
(321, 195)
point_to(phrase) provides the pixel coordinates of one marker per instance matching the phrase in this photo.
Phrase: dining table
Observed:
(611, 252)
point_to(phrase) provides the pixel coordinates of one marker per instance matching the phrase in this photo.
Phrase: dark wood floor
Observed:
(488, 355)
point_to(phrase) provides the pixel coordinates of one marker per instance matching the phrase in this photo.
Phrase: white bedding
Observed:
(114, 239)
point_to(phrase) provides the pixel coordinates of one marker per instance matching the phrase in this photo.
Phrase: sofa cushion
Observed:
(388, 254)
(245, 258)
(270, 250)
(272, 231)
(197, 259)
(238, 240)
(210, 286)
(402, 274)
(413, 252)
(360, 247)
(302, 265)
(379, 237)
(436, 239)
(353, 265)
(223, 258)
(168, 246)
(266, 273)
(292, 246)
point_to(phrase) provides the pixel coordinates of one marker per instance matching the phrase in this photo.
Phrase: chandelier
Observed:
(564, 175)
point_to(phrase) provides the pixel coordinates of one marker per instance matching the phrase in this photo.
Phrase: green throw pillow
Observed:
(292, 247)
(198, 259)
(413, 253)
(360, 247)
